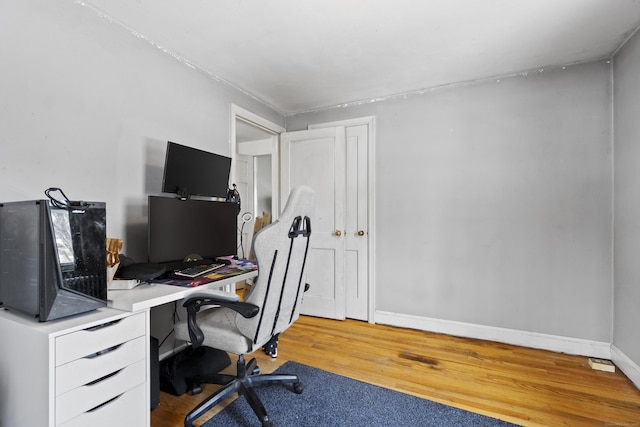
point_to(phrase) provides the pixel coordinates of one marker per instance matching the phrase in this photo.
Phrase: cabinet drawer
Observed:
(85, 398)
(128, 409)
(90, 341)
(83, 371)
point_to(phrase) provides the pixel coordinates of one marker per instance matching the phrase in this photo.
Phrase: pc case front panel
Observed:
(80, 243)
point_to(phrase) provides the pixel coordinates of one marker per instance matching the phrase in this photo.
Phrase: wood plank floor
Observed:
(521, 385)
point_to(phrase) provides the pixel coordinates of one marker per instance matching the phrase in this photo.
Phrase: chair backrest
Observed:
(281, 251)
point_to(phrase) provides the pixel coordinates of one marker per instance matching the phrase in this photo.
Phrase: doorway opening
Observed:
(254, 171)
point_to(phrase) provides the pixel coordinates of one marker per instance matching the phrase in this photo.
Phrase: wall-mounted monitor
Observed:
(178, 228)
(192, 172)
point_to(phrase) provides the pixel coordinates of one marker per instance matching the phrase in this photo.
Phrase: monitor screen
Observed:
(192, 172)
(178, 228)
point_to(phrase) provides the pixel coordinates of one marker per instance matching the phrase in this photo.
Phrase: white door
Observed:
(317, 158)
(357, 229)
(358, 279)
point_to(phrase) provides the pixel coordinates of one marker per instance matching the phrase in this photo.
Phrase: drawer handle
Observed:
(105, 403)
(112, 374)
(101, 352)
(103, 325)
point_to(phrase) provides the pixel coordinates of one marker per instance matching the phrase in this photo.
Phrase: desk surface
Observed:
(146, 296)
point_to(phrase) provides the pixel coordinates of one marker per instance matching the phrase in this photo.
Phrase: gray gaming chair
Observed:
(271, 306)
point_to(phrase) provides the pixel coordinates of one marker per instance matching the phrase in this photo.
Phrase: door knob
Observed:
(338, 233)
(360, 232)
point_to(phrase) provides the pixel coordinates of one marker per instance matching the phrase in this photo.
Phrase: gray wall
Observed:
(88, 107)
(627, 200)
(494, 201)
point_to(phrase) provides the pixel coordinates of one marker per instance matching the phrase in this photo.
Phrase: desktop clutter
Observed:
(114, 261)
(191, 272)
(129, 273)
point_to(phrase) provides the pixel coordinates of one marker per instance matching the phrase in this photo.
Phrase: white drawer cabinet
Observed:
(89, 397)
(87, 369)
(87, 342)
(121, 411)
(90, 369)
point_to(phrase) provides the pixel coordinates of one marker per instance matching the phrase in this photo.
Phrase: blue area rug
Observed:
(333, 400)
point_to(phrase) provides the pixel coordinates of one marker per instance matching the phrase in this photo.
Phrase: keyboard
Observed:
(198, 270)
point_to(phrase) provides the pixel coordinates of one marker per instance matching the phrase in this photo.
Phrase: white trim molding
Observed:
(626, 365)
(569, 345)
(239, 113)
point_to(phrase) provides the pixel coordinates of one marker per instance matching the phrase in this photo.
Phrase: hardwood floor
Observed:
(521, 385)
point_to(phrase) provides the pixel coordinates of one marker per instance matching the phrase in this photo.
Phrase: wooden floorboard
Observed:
(525, 386)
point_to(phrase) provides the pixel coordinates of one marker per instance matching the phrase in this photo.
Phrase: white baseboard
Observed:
(626, 365)
(555, 343)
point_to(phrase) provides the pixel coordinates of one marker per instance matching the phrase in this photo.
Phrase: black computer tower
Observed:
(154, 372)
(52, 258)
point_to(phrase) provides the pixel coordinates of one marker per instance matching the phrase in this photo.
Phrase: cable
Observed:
(63, 204)
(175, 317)
(165, 338)
(55, 202)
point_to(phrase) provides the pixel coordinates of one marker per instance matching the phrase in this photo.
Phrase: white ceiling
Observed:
(300, 55)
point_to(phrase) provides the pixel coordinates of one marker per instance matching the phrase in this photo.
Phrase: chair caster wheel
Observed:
(255, 371)
(266, 422)
(298, 387)
(196, 389)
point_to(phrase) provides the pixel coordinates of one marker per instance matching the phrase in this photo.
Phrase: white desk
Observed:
(60, 367)
(146, 296)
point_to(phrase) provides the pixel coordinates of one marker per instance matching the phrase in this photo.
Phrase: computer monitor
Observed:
(178, 228)
(192, 172)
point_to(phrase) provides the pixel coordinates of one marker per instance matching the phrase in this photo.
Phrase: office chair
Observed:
(270, 307)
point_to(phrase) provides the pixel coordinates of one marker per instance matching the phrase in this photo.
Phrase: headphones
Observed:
(233, 196)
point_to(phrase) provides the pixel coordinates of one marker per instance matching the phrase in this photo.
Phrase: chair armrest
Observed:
(194, 302)
(213, 293)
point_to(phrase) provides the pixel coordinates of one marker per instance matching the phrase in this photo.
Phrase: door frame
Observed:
(239, 113)
(370, 122)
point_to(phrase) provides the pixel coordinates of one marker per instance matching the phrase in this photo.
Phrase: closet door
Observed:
(357, 223)
(317, 158)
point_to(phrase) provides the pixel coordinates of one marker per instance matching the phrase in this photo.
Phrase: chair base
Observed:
(248, 376)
